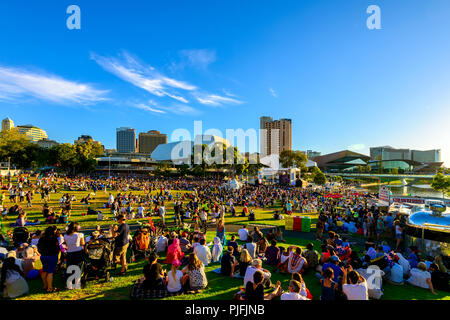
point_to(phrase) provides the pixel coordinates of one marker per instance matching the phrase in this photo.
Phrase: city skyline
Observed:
(343, 86)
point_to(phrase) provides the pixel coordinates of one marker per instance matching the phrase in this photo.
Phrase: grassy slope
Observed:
(219, 288)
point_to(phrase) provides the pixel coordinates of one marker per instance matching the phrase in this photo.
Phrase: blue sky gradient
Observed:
(163, 64)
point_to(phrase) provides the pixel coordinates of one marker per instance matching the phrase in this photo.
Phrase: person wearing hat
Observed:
(395, 275)
(257, 266)
(121, 244)
(334, 265)
(228, 263)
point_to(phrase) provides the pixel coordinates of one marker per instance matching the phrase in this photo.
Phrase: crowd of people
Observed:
(340, 267)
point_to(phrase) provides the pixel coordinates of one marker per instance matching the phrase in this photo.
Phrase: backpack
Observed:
(142, 241)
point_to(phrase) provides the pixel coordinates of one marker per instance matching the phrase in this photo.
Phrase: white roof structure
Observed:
(175, 151)
(310, 164)
(180, 151)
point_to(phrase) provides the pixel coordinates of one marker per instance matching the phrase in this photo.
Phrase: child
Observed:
(284, 258)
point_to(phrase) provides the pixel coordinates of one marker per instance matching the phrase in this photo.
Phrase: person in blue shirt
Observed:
(333, 265)
(413, 259)
(396, 273)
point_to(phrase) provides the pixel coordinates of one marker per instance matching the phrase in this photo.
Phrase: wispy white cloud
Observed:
(18, 83)
(273, 93)
(198, 58)
(174, 108)
(145, 107)
(356, 147)
(216, 100)
(129, 69)
(142, 76)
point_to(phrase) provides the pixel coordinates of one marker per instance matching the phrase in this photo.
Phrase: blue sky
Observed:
(163, 64)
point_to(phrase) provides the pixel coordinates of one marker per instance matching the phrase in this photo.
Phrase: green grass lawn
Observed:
(219, 287)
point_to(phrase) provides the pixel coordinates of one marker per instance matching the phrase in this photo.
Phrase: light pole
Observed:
(109, 168)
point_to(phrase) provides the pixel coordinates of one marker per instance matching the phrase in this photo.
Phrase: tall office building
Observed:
(148, 141)
(126, 140)
(276, 136)
(34, 133)
(7, 124)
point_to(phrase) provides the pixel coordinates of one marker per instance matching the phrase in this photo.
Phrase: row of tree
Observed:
(73, 158)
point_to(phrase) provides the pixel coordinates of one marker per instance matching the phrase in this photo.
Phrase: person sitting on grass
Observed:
(257, 266)
(279, 235)
(245, 260)
(203, 252)
(174, 252)
(174, 278)
(439, 279)
(31, 255)
(185, 243)
(420, 277)
(282, 267)
(333, 265)
(312, 257)
(395, 275)
(234, 244)
(195, 271)
(228, 263)
(356, 287)
(296, 262)
(254, 290)
(294, 292)
(155, 276)
(251, 247)
(329, 287)
(217, 250)
(272, 254)
(12, 282)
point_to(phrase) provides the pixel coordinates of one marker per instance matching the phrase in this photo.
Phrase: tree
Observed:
(290, 158)
(320, 178)
(15, 145)
(441, 183)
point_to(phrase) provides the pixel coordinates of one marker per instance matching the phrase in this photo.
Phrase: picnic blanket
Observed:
(138, 292)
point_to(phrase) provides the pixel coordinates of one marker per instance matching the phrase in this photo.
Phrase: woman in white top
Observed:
(75, 244)
(174, 278)
(420, 277)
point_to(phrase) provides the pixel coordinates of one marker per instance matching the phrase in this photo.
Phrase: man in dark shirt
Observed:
(121, 244)
(439, 279)
(228, 263)
(234, 244)
(273, 254)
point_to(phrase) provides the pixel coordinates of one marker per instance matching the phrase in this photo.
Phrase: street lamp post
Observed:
(109, 168)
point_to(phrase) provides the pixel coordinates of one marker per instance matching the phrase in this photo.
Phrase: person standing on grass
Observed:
(121, 244)
(75, 244)
(162, 213)
(49, 249)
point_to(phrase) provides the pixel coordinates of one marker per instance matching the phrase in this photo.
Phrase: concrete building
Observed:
(126, 140)
(389, 153)
(34, 133)
(312, 154)
(7, 124)
(47, 144)
(148, 141)
(275, 136)
(86, 138)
